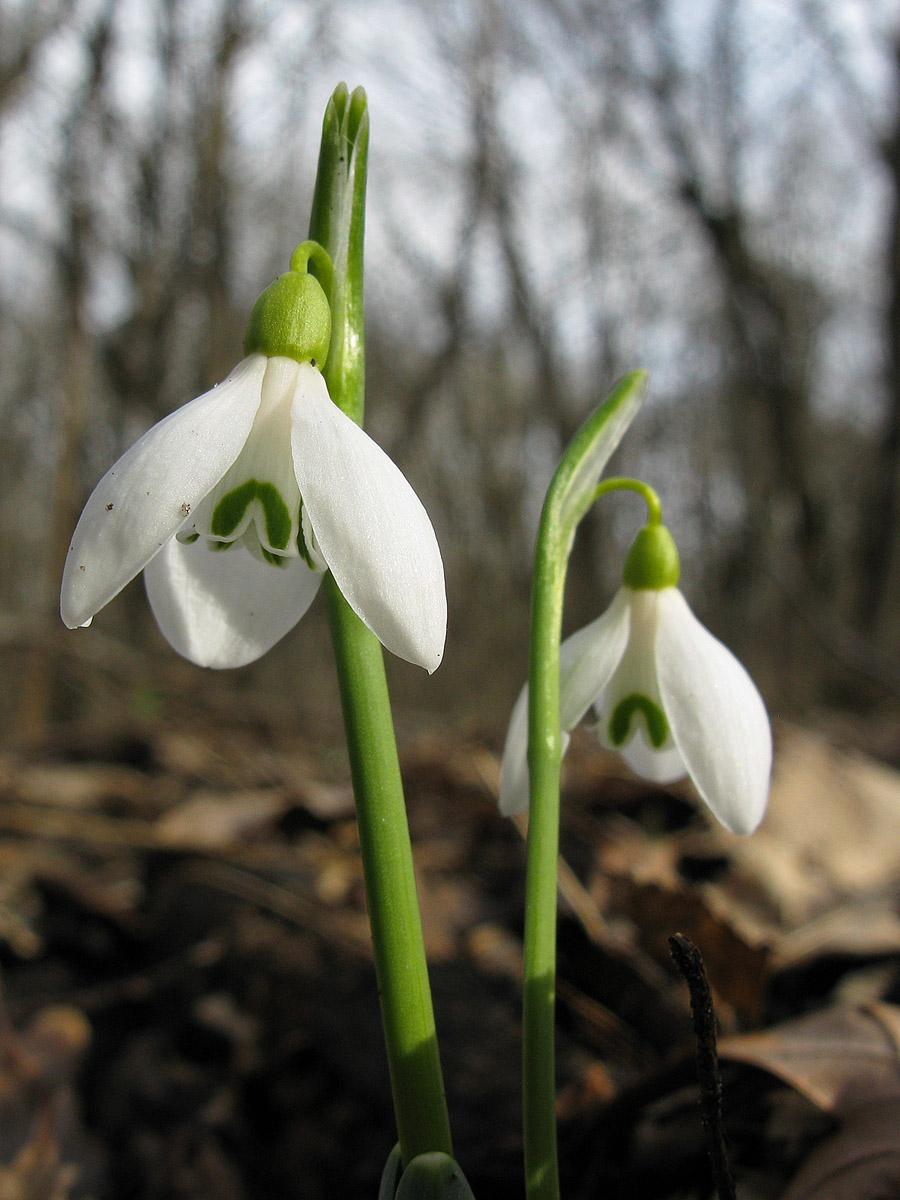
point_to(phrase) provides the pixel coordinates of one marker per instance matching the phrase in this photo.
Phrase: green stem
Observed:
(571, 492)
(400, 964)
(337, 224)
(624, 483)
(544, 756)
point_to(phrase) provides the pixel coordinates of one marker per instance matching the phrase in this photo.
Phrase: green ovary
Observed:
(627, 709)
(230, 510)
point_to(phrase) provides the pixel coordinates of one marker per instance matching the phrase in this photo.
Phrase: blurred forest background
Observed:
(559, 190)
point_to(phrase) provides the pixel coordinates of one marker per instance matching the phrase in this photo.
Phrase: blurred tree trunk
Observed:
(212, 231)
(72, 268)
(20, 43)
(879, 569)
(771, 318)
(181, 257)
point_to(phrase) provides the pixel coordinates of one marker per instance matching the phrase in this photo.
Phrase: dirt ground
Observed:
(190, 1007)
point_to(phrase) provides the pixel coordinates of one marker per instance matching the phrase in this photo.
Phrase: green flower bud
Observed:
(652, 561)
(292, 317)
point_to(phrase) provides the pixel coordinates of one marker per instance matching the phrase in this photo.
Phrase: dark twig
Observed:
(690, 964)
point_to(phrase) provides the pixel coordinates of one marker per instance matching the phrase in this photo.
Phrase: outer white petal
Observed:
(717, 717)
(514, 790)
(225, 608)
(588, 659)
(514, 764)
(147, 495)
(370, 526)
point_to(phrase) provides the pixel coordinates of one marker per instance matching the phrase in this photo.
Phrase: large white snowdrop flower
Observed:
(234, 506)
(667, 695)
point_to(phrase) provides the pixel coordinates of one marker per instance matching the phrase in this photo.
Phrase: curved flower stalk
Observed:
(667, 695)
(236, 504)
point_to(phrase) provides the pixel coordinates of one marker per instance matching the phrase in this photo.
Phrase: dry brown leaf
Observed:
(448, 907)
(868, 928)
(36, 1172)
(81, 785)
(215, 820)
(771, 885)
(495, 950)
(839, 811)
(842, 1059)
(861, 1161)
(830, 842)
(737, 969)
(326, 801)
(183, 753)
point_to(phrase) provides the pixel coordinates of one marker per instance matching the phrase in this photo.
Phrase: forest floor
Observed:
(190, 1011)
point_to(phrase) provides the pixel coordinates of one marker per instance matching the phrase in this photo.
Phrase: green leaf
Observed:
(433, 1176)
(572, 490)
(337, 222)
(390, 1176)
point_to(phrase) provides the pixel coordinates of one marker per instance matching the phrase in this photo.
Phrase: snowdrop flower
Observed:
(667, 694)
(234, 506)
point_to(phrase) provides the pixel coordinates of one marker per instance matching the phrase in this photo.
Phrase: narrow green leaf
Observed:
(337, 222)
(572, 490)
(390, 1176)
(433, 1176)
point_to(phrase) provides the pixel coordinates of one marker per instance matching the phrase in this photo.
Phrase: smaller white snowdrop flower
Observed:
(234, 506)
(667, 695)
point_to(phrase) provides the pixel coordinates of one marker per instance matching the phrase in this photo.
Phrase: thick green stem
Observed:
(571, 493)
(337, 223)
(406, 1008)
(544, 755)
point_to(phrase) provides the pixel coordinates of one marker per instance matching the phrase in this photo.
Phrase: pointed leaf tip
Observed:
(593, 445)
(337, 102)
(358, 113)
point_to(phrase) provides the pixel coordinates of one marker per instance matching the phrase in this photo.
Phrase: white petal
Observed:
(717, 717)
(514, 785)
(225, 608)
(147, 495)
(588, 659)
(514, 764)
(370, 526)
(658, 766)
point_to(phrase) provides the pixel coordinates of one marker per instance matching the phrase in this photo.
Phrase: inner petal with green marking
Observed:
(230, 513)
(632, 701)
(257, 502)
(633, 708)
